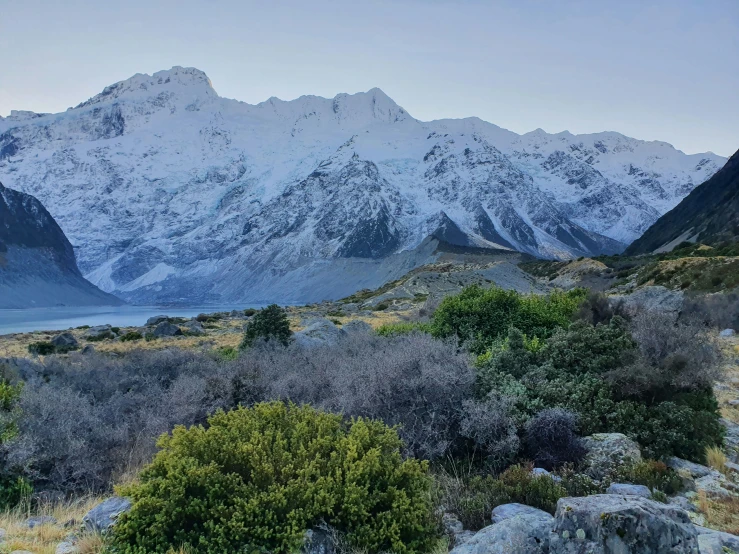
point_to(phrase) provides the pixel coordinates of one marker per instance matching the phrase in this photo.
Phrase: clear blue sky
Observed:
(651, 69)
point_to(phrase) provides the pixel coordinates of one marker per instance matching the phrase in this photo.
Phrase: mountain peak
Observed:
(187, 78)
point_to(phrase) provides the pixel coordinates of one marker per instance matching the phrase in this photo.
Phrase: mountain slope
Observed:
(709, 214)
(172, 193)
(37, 265)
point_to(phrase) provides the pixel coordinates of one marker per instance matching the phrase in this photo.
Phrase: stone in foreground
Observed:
(527, 533)
(630, 490)
(507, 511)
(612, 524)
(103, 516)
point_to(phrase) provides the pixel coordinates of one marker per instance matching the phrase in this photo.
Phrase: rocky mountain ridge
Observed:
(171, 193)
(37, 264)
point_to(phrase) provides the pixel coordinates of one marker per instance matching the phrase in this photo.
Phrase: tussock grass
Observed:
(716, 458)
(720, 513)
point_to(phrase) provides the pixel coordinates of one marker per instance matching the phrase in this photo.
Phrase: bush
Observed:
(473, 498)
(586, 370)
(257, 478)
(598, 308)
(414, 381)
(551, 440)
(101, 337)
(227, 353)
(131, 336)
(652, 474)
(480, 316)
(719, 310)
(249, 312)
(271, 323)
(41, 348)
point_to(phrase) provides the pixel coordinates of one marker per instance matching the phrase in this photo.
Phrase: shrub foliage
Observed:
(256, 478)
(271, 323)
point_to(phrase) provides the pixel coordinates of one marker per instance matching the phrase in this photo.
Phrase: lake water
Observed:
(54, 319)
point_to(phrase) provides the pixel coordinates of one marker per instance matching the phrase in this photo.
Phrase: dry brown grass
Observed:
(716, 458)
(720, 513)
(43, 539)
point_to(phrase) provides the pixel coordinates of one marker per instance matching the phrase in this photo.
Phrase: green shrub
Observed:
(652, 474)
(573, 372)
(227, 353)
(148, 337)
(394, 329)
(131, 336)
(257, 478)
(271, 323)
(472, 499)
(116, 330)
(481, 316)
(13, 488)
(249, 312)
(41, 348)
(381, 307)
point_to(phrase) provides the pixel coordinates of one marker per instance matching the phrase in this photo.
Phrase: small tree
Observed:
(269, 323)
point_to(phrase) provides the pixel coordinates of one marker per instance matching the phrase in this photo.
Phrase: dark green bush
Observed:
(574, 371)
(271, 323)
(472, 499)
(393, 329)
(131, 336)
(481, 316)
(101, 337)
(41, 348)
(652, 474)
(382, 306)
(257, 478)
(249, 312)
(227, 353)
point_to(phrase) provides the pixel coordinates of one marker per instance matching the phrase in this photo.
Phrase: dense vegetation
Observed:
(494, 381)
(256, 478)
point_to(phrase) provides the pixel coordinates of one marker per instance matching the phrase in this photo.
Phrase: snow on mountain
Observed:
(172, 193)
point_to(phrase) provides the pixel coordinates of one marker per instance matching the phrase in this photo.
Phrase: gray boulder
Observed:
(612, 524)
(318, 541)
(727, 333)
(629, 490)
(607, 451)
(65, 340)
(319, 332)
(726, 540)
(99, 332)
(193, 327)
(156, 320)
(731, 440)
(710, 544)
(67, 547)
(167, 329)
(35, 521)
(701, 478)
(88, 349)
(526, 533)
(103, 516)
(507, 511)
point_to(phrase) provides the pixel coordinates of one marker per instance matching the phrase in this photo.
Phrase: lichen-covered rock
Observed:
(193, 327)
(167, 329)
(726, 540)
(319, 332)
(35, 521)
(521, 534)
(607, 451)
(614, 524)
(629, 490)
(65, 340)
(100, 332)
(156, 320)
(700, 478)
(507, 511)
(318, 541)
(103, 516)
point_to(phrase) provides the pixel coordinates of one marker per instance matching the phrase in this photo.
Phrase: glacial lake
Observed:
(58, 318)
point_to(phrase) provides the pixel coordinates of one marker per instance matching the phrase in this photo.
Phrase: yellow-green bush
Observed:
(256, 478)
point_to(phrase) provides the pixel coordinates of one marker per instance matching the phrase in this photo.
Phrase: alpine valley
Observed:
(171, 193)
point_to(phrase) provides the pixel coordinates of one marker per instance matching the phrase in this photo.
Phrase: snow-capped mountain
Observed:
(171, 193)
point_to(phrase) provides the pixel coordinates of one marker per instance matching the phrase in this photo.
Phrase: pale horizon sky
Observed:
(650, 69)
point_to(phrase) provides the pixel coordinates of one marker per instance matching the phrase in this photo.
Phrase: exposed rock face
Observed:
(167, 329)
(709, 214)
(607, 451)
(629, 490)
(103, 516)
(612, 524)
(653, 298)
(37, 263)
(319, 332)
(65, 340)
(507, 511)
(100, 332)
(318, 197)
(525, 533)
